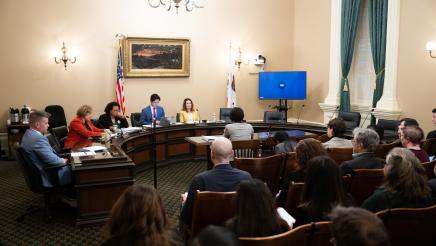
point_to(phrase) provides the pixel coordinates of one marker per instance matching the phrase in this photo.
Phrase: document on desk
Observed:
(94, 148)
(131, 129)
(82, 153)
(209, 138)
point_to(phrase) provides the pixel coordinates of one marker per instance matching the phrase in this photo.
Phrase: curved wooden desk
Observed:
(172, 146)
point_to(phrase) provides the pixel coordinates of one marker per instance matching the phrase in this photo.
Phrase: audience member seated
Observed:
(335, 131)
(411, 137)
(323, 190)
(284, 144)
(405, 184)
(238, 130)
(152, 112)
(214, 235)
(221, 178)
(432, 134)
(112, 116)
(138, 218)
(256, 214)
(355, 226)
(404, 122)
(81, 127)
(40, 151)
(365, 143)
(380, 131)
(189, 114)
(305, 150)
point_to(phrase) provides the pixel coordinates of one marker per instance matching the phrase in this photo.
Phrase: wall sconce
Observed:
(64, 59)
(430, 46)
(238, 60)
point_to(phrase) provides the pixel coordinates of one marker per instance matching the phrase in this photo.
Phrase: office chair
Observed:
(135, 119)
(225, 114)
(57, 117)
(33, 179)
(351, 119)
(273, 117)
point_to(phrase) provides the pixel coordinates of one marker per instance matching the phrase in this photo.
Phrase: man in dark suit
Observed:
(365, 143)
(40, 151)
(152, 112)
(221, 178)
(432, 134)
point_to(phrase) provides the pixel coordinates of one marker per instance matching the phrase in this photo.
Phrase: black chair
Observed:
(225, 114)
(390, 128)
(274, 117)
(57, 116)
(33, 179)
(178, 117)
(135, 119)
(351, 119)
(60, 133)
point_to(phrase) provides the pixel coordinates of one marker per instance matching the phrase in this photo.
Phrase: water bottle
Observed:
(213, 117)
(25, 115)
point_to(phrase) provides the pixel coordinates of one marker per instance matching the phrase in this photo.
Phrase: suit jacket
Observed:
(336, 142)
(366, 160)
(184, 116)
(78, 132)
(221, 178)
(431, 134)
(105, 121)
(146, 115)
(43, 155)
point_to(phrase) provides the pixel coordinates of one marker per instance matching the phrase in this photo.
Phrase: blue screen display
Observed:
(282, 85)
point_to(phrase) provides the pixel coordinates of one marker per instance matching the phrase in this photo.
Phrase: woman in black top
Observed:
(256, 214)
(323, 189)
(112, 116)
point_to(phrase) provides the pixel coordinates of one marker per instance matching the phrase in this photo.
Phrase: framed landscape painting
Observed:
(156, 57)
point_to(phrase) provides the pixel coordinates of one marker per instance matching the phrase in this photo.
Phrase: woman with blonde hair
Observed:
(81, 128)
(405, 184)
(189, 114)
(138, 218)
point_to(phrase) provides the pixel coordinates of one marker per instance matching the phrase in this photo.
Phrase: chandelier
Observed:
(168, 4)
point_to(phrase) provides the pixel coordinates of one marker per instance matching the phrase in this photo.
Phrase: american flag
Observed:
(231, 83)
(120, 81)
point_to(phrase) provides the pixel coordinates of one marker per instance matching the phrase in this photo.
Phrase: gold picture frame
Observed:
(156, 57)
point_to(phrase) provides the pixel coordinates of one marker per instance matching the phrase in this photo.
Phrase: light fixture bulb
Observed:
(430, 46)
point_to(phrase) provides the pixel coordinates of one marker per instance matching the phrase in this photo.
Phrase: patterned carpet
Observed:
(15, 197)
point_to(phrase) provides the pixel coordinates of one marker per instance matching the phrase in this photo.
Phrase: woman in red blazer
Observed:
(81, 127)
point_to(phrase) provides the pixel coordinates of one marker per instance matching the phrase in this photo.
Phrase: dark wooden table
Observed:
(99, 181)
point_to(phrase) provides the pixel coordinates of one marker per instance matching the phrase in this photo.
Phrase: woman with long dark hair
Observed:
(256, 214)
(138, 218)
(323, 189)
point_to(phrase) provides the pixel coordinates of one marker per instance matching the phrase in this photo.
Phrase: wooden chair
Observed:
(340, 154)
(212, 208)
(246, 148)
(268, 169)
(364, 183)
(410, 226)
(293, 198)
(383, 149)
(323, 138)
(429, 168)
(314, 234)
(429, 146)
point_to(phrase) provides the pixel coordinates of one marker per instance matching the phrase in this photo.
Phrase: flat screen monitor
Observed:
(282, 85)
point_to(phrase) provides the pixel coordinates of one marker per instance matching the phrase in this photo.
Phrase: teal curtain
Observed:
(349, 20)
(378, 17)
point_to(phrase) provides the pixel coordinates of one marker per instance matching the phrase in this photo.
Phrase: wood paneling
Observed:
(179, 149)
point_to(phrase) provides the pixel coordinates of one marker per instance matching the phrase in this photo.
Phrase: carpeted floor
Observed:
(15, 197)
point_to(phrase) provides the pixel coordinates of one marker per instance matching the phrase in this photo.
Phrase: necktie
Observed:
(155, 114)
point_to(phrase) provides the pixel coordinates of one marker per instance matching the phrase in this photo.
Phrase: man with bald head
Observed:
(221, 178)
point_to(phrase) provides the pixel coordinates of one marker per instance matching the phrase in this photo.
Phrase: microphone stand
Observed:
(366, 117)
(299, 114)
(154, 152)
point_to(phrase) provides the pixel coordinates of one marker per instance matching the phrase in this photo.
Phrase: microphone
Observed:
(334, 112)
(366, 117)
(299, 113)
(198, 113)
